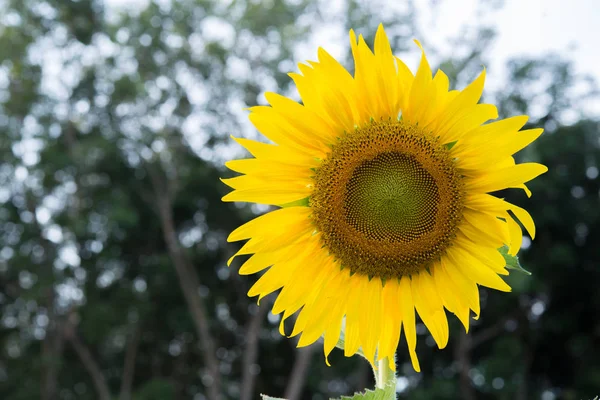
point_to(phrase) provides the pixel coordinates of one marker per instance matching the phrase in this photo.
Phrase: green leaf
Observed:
(342, 342)
(512, 262)
(156, 389)
(298, 203)
(265, 397)
(450, 145)
(388, 393)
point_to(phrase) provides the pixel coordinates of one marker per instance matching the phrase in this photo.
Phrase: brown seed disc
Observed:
(387, 199)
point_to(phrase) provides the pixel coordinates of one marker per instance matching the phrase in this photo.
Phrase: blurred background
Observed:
(115, 119)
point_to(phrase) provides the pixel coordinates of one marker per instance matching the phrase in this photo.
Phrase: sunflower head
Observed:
(387, 199)
(383, 183)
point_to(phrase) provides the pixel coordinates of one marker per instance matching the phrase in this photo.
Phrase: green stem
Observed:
(384, 374)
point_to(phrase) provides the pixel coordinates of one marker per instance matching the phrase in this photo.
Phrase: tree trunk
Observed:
(52, 349)
(91, 366)
(129, 363)
(251, 351)
(189, 283)
(299, 372)
(463, 358)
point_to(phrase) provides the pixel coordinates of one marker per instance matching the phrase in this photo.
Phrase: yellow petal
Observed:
(503, 145)
(474, 140)
(491, 204)
(260, 261)
(302, 290)
(302, 118)
(370, 316)
(421, 94)
(318, 321)
(274, 182)
(469, 119)
(330, 303)
(407, 308)
(489, 132)
(276, 128)
(332, 332)
(472, 267)
(387, 75)
(275, 277)
(256, 245)
(464, 285)
(525, 189)
(405, 80)
(271, 224)
(470, 95)
(462, 106)
(352, 338)
(489, 255)
(485, 229)
(278, 153)
(392, 315)
(442, 96)
(524, 217)
(368, 90)
(486, 203)
(289, 231)
(285, 316)
(353, 315)
(329, 90)
(430, 307)
(282, 271)
(504, 178)
(451, 299)
(516, 237)
(275, 197)
(258, 166)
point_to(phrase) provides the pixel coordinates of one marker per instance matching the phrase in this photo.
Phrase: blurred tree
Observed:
(113, 277)
(109, 118)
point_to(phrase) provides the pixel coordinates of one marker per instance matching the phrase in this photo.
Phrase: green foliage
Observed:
(104, 110)
(512, 262)
(156, 389)
(388, 393)
(302, 202)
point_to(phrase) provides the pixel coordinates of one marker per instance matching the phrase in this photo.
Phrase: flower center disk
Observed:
(391, 197)
(387, 200)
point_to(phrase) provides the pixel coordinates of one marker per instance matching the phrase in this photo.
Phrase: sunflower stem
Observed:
(384, 375)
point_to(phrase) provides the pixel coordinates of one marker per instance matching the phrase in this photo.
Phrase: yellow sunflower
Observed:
(383, 180)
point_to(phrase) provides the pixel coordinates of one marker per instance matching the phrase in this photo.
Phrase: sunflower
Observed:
(383, 184)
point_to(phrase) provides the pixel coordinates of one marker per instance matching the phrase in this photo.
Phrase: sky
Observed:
(535, 26)
(524, 28)
(529, 28)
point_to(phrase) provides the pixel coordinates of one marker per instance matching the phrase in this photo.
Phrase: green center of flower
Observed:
(387, 200)
(391, 197)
